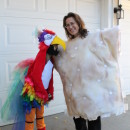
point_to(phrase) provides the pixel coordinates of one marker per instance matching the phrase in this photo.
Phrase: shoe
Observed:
(94, 124)
(80, 123)
(42, 128)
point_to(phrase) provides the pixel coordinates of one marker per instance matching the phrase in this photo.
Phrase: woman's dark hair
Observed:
(83, 32)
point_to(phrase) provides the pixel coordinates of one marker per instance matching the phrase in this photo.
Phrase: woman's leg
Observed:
(80, 123)
(95, 124)
(29, 121)
(40, 119)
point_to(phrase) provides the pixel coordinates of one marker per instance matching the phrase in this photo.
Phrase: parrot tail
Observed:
(12, 109)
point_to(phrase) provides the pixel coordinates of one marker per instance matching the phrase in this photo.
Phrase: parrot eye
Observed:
(48, 37)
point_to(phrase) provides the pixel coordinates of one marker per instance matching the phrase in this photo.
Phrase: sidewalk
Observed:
(63, 122)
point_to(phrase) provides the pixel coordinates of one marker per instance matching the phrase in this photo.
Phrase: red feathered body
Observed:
(35, 74)
(33, 87)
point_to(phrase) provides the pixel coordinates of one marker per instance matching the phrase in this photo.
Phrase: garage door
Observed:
(18, 19)
(125, 46)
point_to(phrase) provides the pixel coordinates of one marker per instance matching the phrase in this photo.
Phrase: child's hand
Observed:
(49, 97)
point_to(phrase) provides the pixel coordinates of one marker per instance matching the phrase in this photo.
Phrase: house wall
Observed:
(124, 25)
(125, 46)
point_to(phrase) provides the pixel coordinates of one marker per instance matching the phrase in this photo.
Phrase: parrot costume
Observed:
(32, 87)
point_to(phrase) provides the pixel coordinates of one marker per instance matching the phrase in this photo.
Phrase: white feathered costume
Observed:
(90, 75)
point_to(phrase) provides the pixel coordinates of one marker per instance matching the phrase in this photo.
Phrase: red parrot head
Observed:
(50, 38)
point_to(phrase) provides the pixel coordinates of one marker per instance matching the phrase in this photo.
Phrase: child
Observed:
(38, 85)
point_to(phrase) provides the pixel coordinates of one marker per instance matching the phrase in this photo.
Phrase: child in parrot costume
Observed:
(33, 85)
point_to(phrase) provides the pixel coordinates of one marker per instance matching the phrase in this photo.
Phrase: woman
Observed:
(88, 69)
(75, 28)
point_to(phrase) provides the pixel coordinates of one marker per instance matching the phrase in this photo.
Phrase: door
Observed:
(18, 19)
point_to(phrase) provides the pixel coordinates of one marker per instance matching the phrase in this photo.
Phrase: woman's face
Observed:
(72, 27)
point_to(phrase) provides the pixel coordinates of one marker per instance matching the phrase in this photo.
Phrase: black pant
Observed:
(80, 124)
(95, 124)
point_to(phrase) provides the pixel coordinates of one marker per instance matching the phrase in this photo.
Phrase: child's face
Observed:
(55, 47)
(53, 50)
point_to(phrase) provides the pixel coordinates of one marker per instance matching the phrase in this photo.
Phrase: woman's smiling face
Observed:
(72, 26)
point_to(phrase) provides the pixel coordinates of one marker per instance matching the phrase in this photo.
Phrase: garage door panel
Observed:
(17, 34)
(57, 81)
(34, 8)
(20, 5)
(9, 7)
(90, 10)
(3, 83)
(53, 110)
(92, 26)
(46, 9)
(58, 102)
(87, 10)
(8, 62)
(58, 99)
(60, 6)
(3, 97)
(0, 72)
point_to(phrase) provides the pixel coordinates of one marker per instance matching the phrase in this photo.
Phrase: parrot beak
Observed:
(58, 41)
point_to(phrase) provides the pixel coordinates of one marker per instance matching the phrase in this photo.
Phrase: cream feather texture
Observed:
(90, 75)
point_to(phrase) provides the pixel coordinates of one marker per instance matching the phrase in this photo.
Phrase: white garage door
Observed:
(18, 19)
(125, 46)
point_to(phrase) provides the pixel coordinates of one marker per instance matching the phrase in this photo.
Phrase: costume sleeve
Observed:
(112, 38)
